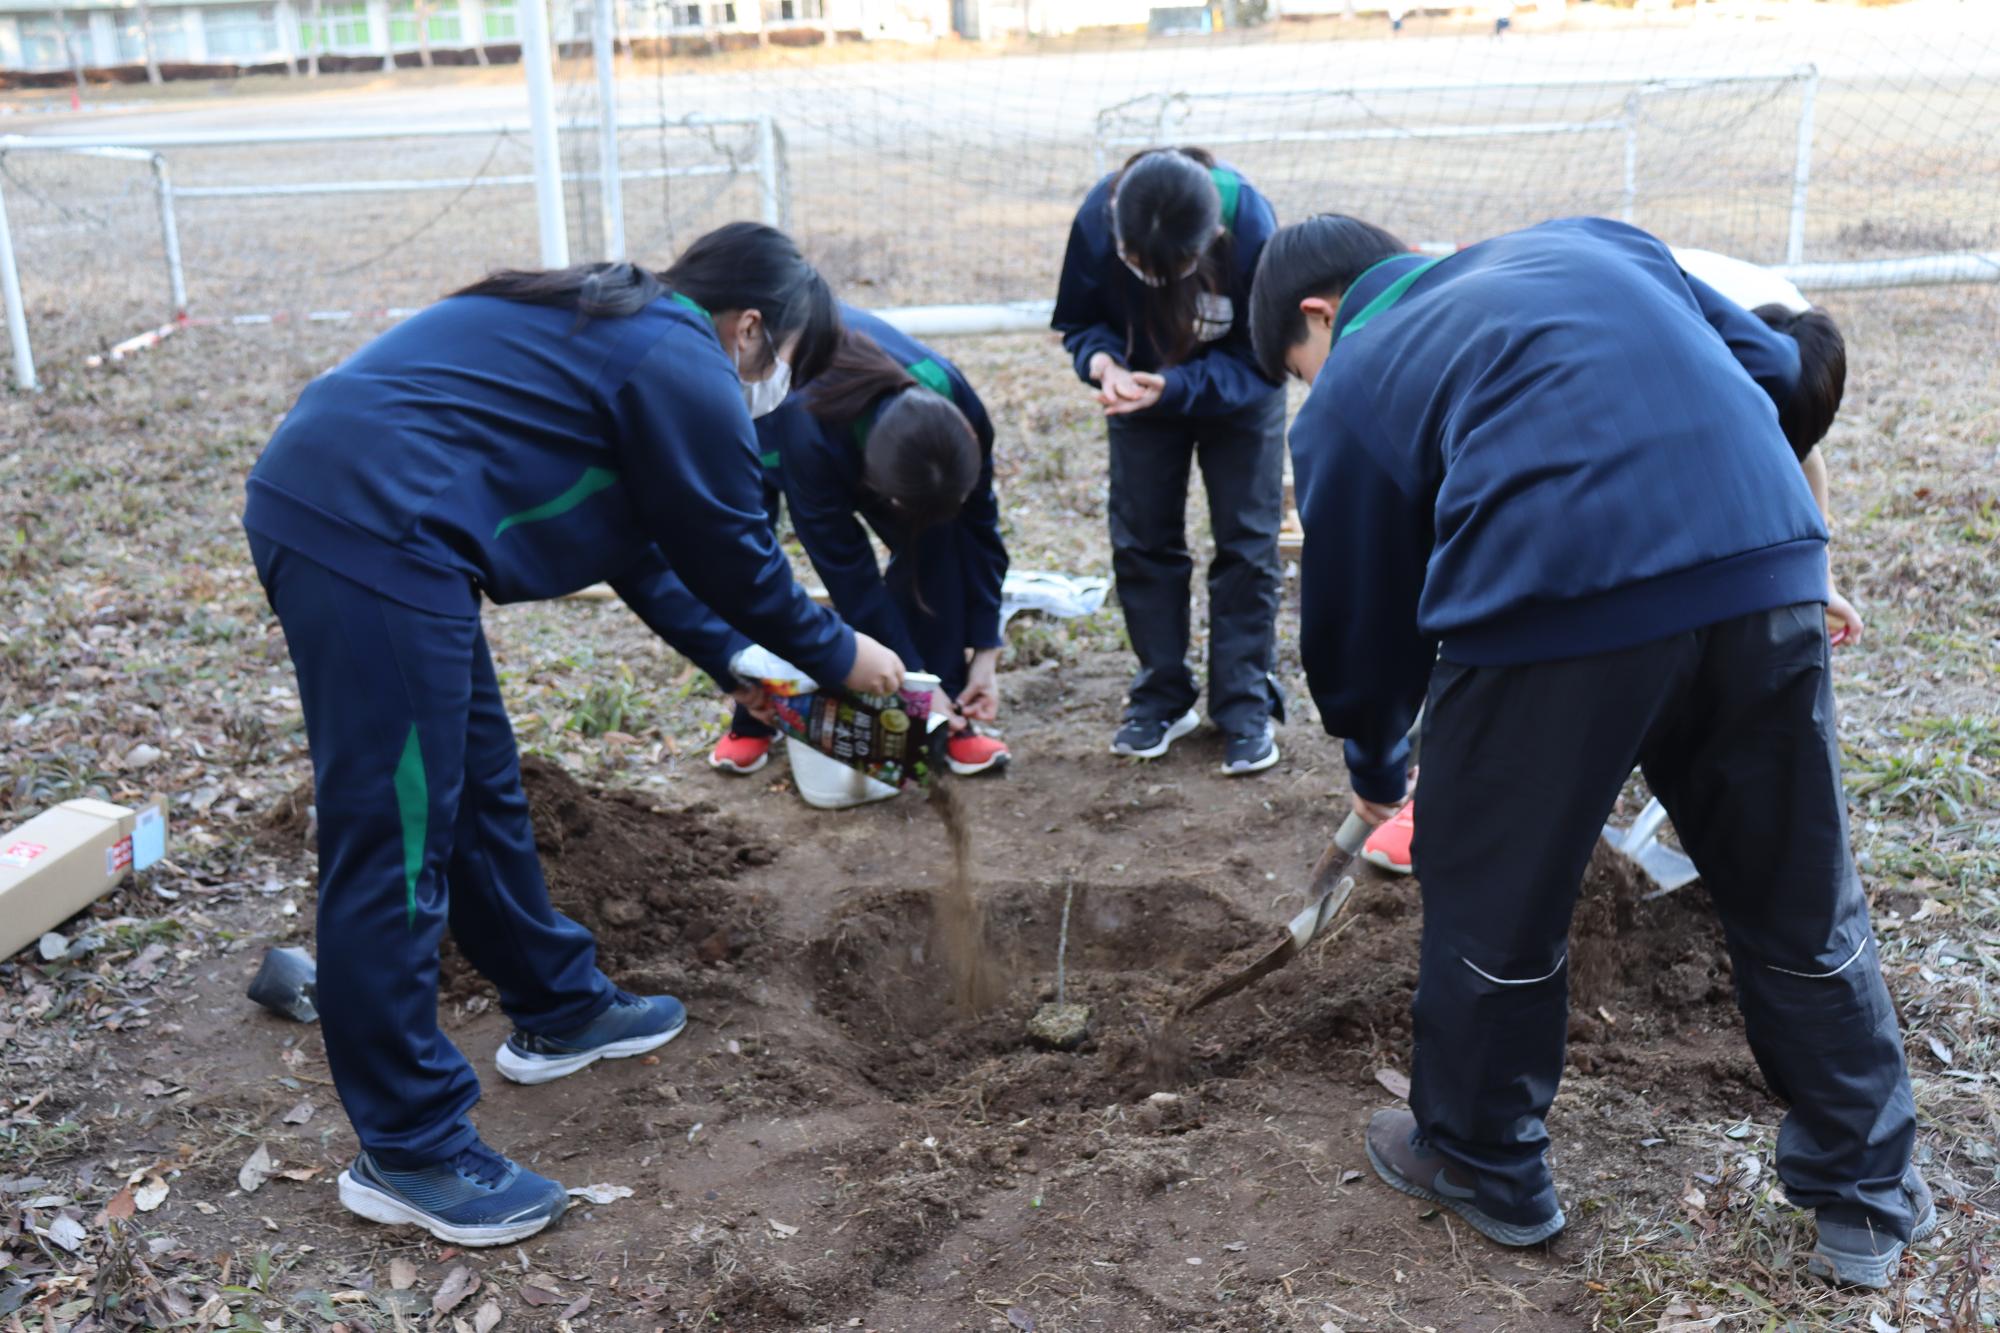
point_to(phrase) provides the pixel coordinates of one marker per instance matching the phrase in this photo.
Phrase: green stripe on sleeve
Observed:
(593, 480)
(692, 304)
(931, 375)
(413, 803)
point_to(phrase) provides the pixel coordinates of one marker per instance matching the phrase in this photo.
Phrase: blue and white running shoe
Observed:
(633, 1025)
(477, 1198)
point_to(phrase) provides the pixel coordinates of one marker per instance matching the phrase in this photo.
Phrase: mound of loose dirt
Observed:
(649, 881)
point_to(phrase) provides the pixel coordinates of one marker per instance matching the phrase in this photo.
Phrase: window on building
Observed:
(723, 14)
(173, 36)
(500, 21)
(238, 32)
(793, 11)
(342, 27)
(42, 44)
(441, 25)
(684, 16)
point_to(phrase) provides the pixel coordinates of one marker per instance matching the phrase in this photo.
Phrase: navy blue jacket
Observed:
(1099, 300)
(489, 446)
(820, 466)
(1549, 445)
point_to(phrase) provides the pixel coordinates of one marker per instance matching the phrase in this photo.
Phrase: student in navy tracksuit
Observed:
(1152, 307)
(1822, 352)
(533, 434)
(1553, 480)
(892, 436)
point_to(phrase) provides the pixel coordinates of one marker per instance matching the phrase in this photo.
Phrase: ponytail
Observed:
(740, 266)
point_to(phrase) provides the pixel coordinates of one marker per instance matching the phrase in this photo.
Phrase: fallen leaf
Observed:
(782, 1229)
(1237, 1246)
(152, 1087)
(142, 756)
(459, 1283)
(535, 1295)
(205, 1208)
(120, 1206)
(299, 1114)
(65, 1231)
(486, 1317)
(576, 1307)
(603, 1193)
(150, 1195)
(1940, 1050)
(1396, 1082)
(1348, 1177)
(299, 1172)
(255, 1171)
(1020, 1319)
(402, 1274)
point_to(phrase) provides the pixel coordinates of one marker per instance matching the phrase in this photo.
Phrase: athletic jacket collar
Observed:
(1380, 286)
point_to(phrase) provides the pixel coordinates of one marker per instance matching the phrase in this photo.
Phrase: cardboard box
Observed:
(64, 859)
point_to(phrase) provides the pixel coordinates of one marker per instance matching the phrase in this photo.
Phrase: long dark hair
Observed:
(1321, 256)
(1808, 415)
(921, 454)
(739, 266)
(1165, 209)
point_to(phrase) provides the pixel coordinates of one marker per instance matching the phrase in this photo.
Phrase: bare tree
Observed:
(70, 49)
(151, 52)
(423, 13)
(316, 39)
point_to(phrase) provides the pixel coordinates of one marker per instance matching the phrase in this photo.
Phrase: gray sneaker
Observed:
(1856, 1254)
(1405, 1162)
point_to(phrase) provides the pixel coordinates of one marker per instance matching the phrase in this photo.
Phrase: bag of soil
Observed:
(894, 739)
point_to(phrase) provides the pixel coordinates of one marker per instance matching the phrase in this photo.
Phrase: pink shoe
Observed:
(741, 755)
(1389, 845)
(968, 752)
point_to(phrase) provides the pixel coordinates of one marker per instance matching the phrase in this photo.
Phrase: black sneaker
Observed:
(1149, 737)
(1852, 1253)
(1405, 1162)
(1249, 753)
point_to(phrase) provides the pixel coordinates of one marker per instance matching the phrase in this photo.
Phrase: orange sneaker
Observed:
(741, 755)
(968, 752)
(1389, 845)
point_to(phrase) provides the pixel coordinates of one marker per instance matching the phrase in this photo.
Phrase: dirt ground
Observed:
(835, 1142)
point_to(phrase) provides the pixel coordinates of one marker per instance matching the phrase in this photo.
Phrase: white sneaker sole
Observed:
(365, 1200)
(1241, 770)
(547, 1069)
(1188, 722)
(738, 770)
(1381, 861)
(968, 770)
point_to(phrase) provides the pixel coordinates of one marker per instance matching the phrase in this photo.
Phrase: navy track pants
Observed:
(1733, 725)
(422, 824)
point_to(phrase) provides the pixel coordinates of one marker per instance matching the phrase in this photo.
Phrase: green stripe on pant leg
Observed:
(413, 803)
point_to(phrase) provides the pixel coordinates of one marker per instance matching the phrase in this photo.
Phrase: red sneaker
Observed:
(1389, 845)
(968, 752)
(741, 755)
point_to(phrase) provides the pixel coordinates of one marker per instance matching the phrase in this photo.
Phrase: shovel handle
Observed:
(1354, 831)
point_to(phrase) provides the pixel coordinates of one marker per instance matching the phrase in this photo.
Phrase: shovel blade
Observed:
(1667, 868)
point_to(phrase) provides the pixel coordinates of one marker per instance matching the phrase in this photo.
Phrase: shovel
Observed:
(1328, 892)
(1641, 845)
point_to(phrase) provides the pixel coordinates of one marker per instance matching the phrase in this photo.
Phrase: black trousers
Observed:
(1733, 725)
(1242, 468)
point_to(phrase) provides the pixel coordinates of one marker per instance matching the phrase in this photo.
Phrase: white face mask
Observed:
(1149, 279)
(765, 396)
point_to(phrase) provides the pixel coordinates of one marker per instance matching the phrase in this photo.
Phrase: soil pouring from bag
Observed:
(958, 926)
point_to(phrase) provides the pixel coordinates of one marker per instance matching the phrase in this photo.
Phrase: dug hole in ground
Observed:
(855, 1124)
